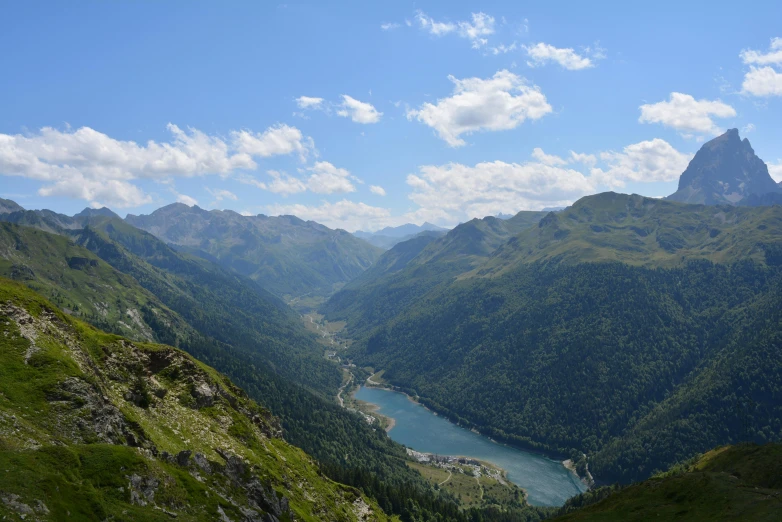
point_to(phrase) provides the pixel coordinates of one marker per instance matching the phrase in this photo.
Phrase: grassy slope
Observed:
(740, 483)
(74, 431)
(641, 231)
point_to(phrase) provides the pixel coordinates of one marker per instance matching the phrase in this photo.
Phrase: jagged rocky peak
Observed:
(724, 171)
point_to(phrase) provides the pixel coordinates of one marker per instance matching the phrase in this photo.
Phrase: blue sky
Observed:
(360, 115)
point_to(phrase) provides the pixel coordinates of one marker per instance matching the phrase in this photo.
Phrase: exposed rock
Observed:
(724, 171)
(142, 489)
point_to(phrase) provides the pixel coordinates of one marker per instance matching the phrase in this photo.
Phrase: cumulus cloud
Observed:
(377, 189)
(547, 159)
(328, 179)
(388, 26)
(646, 161)
(501, 102)
(344, 214)
(324, 178)
(464, 192)
(275, 141)
(309, 102)
(586, 159)
(476, 29)
(773, 56)
(87, 164)
(358, 111)
(686, 114)
(543, 53)
(763, 79)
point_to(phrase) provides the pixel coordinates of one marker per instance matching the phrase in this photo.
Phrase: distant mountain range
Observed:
(725, 171)
(284, 254)
(390, 236)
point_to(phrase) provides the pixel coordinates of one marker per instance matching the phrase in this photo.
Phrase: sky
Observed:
(361, 115)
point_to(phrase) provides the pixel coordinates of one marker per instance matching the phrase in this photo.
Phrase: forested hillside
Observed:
(637, 331)
(228, 322)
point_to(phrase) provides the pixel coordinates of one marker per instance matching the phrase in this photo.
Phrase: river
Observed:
(547, 481)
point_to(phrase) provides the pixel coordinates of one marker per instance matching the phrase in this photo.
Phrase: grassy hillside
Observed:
(94, 426)
(726, 484)
(642, 231)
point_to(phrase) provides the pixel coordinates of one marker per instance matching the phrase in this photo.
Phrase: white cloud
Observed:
(542, 53)
(647, 161)
(501, 102)
(328, 179)
(100, 193)
(222, 194)
(773, 56)
(479, 26)
(749, 127)
(765, 80)
(187, 200)
(463, 192)
(762, 81)
(587, 159)
(309, 102)
(324, 178)
(377, 189)
(358, 111)
(388, 26)
(275, 141)
(87, 164)
(686, 114)
(435, 28)
(503, 49)
(775, 169)
(547, 159)
(344, 214)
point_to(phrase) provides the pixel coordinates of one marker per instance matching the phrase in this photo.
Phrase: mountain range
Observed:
(284, 254)
(629, 334)
(389, 236)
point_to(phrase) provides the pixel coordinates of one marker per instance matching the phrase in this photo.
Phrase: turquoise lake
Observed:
(547, 481)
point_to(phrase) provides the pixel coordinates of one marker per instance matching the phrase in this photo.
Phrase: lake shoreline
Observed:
(549, 454)
(547, 481)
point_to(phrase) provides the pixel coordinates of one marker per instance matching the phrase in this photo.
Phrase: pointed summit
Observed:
(724, 171)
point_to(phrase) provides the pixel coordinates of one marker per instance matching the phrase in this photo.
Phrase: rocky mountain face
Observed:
(7, 206)
(284, 254)
(724, 171)
(97, 427)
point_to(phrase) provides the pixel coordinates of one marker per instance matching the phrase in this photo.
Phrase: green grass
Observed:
(741, 483)
(52, 455)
